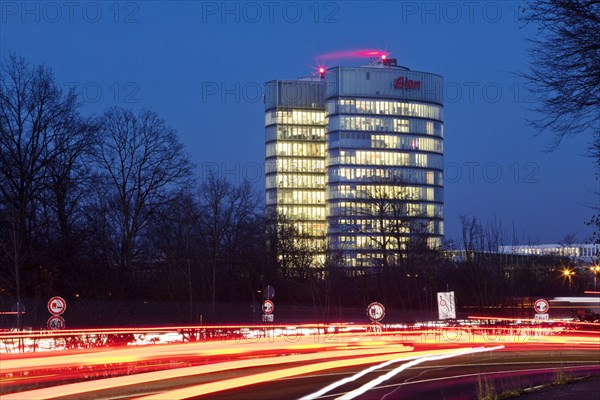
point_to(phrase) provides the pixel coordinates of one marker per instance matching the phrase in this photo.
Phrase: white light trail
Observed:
(370, 385)
(360, 374)
(352, 378)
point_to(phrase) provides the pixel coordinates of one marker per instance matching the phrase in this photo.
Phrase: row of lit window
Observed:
(369, 242)
(410, 209)
(295, 117)
(292, 196)
(409, 175)
(310, 228)
(295, 165)
(299, 172)
(313, 243)
(365, 157)
(296, 149)
(373, 259)
(355, 106)
(379, 141)
(415, 126)
(295, 132)
(385, 192)
(365, 230)
(309, 213)
(295, 180)
(372, 124)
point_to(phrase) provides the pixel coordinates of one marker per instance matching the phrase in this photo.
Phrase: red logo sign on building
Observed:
(403, 83)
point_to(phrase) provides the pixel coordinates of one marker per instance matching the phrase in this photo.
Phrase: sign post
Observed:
(56, 306)
(268, 307)
(18, 309)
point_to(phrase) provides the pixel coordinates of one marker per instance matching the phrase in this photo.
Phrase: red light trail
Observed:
(290, 351)
(365, 53)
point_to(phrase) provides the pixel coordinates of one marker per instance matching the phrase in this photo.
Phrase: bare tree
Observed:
(565, 74)
(143, 166)
(565, 69)
(225, 210)
(39, 129)
(394, 218)
(172, 244)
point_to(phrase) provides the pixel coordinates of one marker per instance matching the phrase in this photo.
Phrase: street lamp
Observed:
(595, 270)
(568, 273)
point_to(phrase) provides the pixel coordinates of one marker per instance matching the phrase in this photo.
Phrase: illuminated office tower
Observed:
(295, 158)
(357, 157)
(385, 161)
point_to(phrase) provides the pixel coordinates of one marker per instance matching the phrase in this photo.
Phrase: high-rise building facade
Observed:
(295, 158)
(381, 150)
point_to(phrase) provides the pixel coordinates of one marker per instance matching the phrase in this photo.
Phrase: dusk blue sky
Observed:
(202, 67)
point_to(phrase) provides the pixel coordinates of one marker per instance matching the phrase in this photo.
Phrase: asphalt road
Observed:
(351, 365)
(457, 378)
(460, 377)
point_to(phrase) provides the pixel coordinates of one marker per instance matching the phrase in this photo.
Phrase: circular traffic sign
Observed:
(376, 311)
(56, 322)
(269, 292)
(268, 307)
(541, 306)
(57, 305)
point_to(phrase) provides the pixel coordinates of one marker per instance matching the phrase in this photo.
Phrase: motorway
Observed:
(309, 363)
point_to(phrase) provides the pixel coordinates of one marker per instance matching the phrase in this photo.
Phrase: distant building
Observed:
(587, 253)
(337, 144)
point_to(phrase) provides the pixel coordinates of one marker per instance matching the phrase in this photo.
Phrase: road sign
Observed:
(56, 322)
(57, 305)
(541, 306)
(268, 318)
(376, 311)
(446, 305)
(268, 307)
(269, 292)
(542, 317)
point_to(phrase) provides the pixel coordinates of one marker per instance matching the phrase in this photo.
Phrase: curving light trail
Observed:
(280, 373)
(370, 385)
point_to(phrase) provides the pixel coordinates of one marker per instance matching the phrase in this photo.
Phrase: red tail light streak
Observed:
(263, 354)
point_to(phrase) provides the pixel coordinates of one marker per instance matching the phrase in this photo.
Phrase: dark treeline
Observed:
(109, 208)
